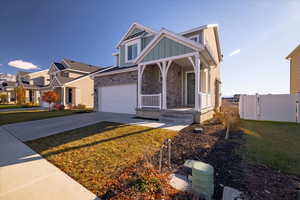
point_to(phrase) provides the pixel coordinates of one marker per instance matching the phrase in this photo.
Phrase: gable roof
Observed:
(132, 27)
(216, 32)
(166, 33)
(293, 52)
(78, 66)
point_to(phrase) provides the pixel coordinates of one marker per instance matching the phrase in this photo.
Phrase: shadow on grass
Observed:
(96, 142)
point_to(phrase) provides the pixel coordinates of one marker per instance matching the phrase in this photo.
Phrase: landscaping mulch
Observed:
(256, 181)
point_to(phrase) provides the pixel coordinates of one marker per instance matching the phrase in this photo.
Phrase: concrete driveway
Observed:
(24, 174)
(26, 131)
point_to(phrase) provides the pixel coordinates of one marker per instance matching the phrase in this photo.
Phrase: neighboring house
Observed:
(8, 88)
(163, 75)
(294, 58)
(72, 82)
(33, 83)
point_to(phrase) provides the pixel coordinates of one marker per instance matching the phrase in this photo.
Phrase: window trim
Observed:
(133, 42)
(195, 36)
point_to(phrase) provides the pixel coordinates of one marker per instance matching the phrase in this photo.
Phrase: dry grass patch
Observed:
(97, 154)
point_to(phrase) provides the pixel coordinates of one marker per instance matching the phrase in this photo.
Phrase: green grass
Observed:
(11, 106)
(96, 155)
(22, 116)
(275, 144)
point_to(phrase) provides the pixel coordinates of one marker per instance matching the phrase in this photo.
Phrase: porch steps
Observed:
(177, 117)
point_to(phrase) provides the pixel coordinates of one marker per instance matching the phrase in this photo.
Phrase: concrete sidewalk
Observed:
(24, 174)
(31, 130)
(22, 109)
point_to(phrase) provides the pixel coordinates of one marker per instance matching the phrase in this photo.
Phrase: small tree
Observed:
(3, 98)
(50, 97)
(20, 95)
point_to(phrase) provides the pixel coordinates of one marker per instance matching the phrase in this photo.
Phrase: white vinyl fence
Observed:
(277, 107)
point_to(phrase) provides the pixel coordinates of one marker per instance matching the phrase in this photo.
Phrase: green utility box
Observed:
(202, 178)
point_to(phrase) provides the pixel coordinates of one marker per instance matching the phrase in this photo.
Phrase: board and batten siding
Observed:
(167, 48)
(144, 43)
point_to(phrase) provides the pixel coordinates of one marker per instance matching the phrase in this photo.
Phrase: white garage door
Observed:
(118, 98)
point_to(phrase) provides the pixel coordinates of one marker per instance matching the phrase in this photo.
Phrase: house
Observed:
(33, 83)
(294, 58)
(71, 80)
(163, 75)
(8, 88)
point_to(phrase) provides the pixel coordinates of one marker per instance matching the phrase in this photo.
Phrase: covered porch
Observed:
(181, 83)
(67, 96)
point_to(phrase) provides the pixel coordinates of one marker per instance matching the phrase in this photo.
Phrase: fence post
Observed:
(241, 106)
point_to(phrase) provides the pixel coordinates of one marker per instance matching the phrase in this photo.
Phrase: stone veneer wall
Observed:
(151, 81)
(114, 79)
(174, 86)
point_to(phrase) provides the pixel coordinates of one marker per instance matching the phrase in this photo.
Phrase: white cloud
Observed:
(22, 64)
(235, 52)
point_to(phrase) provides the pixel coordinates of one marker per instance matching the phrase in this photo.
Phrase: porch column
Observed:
(164, 67)
(63, 95)
(197, 83)
(209, 81)
(140, 76)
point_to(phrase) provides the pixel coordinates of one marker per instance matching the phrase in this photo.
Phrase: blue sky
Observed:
(261, 33)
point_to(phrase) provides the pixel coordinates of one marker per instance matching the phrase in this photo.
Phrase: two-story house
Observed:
(294, 58)
(163, 75)
(33, 83)
(72, 82)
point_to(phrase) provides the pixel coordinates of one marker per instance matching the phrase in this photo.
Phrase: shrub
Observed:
(81, 107)
(230, 120)
(59, 107)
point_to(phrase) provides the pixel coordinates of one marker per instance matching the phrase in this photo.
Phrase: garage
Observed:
(118, 98)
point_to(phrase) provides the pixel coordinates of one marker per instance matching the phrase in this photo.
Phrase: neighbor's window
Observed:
(195, 38)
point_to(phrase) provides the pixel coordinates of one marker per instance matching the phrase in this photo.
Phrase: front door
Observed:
(190, 88)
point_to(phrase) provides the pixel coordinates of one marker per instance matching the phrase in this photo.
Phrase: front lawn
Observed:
(12, 106)
(96, 155)
(29, 115)
(274, 144)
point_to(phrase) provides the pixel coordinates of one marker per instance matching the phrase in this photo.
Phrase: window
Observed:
(195, 38)
(64, 74)
(132, 49)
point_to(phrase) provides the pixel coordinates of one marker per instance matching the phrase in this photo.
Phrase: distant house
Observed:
(33, 83)
(294, 58)
(163, 75)
(72, 82)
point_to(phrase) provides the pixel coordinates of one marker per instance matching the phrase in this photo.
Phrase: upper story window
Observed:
(195, 38)
(64, 74)
(132, 50)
